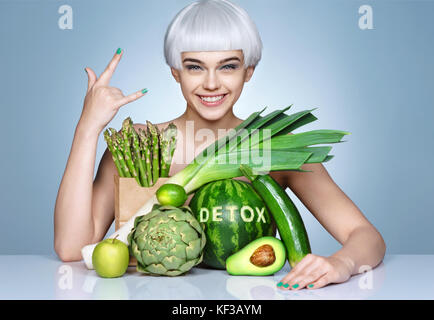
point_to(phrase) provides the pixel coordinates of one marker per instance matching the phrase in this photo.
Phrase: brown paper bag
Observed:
(129, 198)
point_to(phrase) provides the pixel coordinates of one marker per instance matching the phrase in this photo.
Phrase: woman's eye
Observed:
(193, 67)
(229, 67)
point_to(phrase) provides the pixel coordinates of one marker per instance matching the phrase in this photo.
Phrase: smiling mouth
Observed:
(212, 99)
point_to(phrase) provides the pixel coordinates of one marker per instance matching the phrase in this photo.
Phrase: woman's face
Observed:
(212, 81)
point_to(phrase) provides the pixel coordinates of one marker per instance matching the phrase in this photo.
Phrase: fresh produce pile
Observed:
(167, 241)
(145, 155)
(239, 153)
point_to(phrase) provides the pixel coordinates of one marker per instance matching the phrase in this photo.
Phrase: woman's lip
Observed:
(213, 104)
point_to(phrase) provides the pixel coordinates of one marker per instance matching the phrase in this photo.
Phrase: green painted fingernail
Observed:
(280, 284)
(144, 91)
(310, 286)
(286, 285)
(295, 286)
(119, 51)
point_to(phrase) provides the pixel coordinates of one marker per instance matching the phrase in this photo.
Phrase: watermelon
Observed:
(233, 215)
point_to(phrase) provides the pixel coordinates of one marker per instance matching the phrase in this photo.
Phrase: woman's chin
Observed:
(212, 113)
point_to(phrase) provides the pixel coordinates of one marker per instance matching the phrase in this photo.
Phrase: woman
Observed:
(212, 47)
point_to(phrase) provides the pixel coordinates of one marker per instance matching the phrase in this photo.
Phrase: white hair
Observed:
(212, 25)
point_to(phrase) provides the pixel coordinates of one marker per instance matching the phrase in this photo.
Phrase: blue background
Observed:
(377, 84)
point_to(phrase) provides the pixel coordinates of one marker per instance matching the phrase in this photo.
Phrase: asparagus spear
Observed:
(111, 147)
(118, 146)
(143, 146)
(127, 148)
(164, 146)
(116, 138)
(146, 155)
(167, 145)
(137, 167)
(138, 158)
(153, 133)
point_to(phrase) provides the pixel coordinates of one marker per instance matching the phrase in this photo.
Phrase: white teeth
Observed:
(212, 99)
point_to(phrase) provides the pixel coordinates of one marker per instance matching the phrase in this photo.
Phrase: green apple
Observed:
(110, 258)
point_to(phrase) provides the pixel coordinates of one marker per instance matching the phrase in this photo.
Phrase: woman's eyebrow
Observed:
(221, 61)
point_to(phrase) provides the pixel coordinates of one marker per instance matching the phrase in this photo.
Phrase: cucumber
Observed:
(288, 220)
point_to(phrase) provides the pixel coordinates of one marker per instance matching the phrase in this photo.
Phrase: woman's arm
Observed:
(73, 223)
(362, 243)
(84, 208)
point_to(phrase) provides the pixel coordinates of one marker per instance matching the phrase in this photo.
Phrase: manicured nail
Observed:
(144, 91)
(286, 285)
(295, 286)
(310, 286)
(119, 51)
(85, 70)
(280, 284)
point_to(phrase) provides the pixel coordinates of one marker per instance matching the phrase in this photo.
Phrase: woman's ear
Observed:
(175, 74)
(249, 73)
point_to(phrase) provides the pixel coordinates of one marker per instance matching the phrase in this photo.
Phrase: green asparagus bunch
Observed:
(144, 155)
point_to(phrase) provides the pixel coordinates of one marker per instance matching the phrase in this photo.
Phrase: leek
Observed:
(258, 136)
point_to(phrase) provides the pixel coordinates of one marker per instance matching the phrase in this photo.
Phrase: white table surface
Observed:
(46, 277)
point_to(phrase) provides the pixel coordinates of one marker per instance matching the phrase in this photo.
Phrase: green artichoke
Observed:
(167, 241)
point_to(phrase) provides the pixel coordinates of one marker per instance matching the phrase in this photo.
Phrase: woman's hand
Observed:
(102, 102)
(314, 272)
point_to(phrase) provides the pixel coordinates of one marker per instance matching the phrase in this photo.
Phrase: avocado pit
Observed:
(263, 256)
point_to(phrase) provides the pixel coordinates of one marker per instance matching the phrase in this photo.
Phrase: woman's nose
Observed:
(211, 82)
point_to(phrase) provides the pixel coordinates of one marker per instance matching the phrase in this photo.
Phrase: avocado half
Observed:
(261, 257)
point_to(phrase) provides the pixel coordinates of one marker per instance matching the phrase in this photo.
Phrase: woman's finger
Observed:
(307, 278)
(107, 74)
(308, 259)
(91, 78)
(321, 282)
(130, 98)
(313, 270)
(306, 263)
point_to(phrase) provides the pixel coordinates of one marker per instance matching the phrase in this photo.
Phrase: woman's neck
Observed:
(228, 121)
(190, 123)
